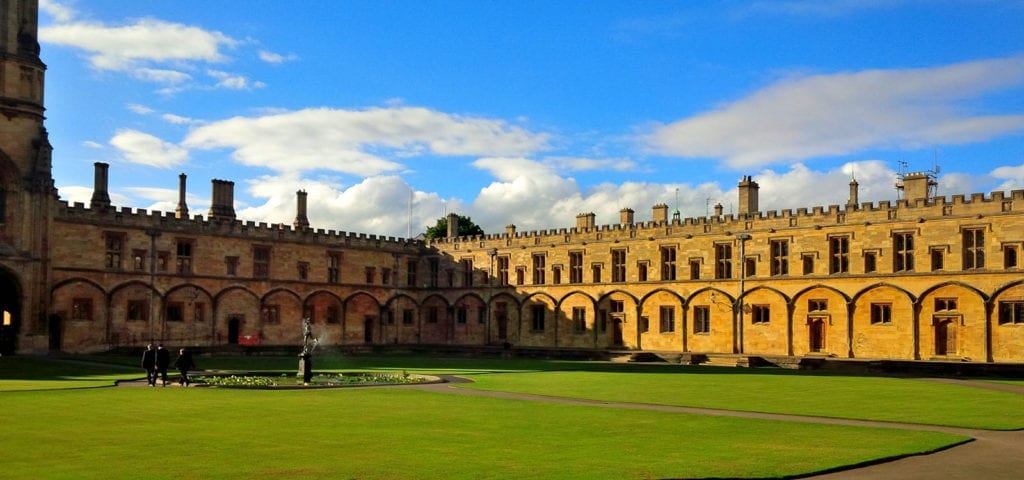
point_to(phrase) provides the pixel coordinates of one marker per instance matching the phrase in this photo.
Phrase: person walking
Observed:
(184, 363)
(149, 364)
(163, 360)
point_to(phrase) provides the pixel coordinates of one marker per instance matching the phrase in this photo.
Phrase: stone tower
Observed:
(27, 195)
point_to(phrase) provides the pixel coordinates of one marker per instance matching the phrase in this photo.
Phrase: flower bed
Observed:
(319, 380)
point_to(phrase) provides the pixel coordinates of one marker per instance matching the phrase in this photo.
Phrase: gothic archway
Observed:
(10, 312)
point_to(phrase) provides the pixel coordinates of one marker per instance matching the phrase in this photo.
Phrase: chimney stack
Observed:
(100, 198)
(748, 197)
(626, 216)
(453, 225)
(853, 201)
(510, 230)
(182, 210)
(585, 221)
(660, 213)
(718, 210)
(301, 220)
(222, 202)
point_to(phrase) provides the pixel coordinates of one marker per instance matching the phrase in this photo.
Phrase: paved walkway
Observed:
(992, 455)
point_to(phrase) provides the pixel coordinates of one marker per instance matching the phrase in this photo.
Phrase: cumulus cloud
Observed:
(58, 10)
(835, 114)
(233, 82)
(357, 141)
(581, 164)
(145, 149)
(160, 75)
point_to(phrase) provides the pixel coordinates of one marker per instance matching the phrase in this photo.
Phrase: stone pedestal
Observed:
(306, 367)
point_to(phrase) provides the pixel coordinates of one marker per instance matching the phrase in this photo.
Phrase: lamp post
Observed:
(743, 237)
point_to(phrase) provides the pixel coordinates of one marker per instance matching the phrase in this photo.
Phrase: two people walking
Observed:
(156, 360)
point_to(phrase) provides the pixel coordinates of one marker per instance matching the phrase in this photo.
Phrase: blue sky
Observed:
(391, 113)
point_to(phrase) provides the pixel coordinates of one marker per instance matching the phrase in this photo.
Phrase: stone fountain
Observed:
(309, 343)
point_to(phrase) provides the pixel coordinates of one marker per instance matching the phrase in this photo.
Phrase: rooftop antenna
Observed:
(676, 215)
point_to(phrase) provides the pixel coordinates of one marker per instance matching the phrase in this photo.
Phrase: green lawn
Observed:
(53, 432)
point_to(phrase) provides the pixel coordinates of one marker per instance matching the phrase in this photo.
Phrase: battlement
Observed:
(141, 218)
(975, 204)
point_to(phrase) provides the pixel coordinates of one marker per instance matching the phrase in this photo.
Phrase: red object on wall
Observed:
(248, 340)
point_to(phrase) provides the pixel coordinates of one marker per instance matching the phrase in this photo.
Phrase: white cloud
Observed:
(58, 10)
(140, 109)
(814, 8)
(276, 58)
(581, 164)
(357, 141)
(178, 119)
(233, 82)
(146, 149)
(844, 113)
(160, 75)
(92, 144)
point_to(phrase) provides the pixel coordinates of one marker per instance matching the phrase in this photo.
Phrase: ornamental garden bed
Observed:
(289, 380)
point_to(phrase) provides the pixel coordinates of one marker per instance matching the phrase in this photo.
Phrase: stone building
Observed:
(922, 278)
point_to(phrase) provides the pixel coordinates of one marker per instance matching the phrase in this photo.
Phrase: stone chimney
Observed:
(510, 230)
(585, 221)
(853, 201)
(100, 198)
(453, 225)
(626, 216)
(222, 201)
(301, 220)
(182, 210)
(718, 210)
(915, 186)
(660, 213)
(748, 197)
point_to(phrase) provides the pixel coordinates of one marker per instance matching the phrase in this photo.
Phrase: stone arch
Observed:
(883, 322)
(661, 320)
(280, 320)
(712, 324)
(135, 314)
(236, 316)
(504, 308)
(617, 320)
(952, 322)
(403, 308)
(539, 320)
(362, 319)
(187, 309)
(579, 310)
(470, 323)
(1005, 326)
(821, 321)
(80, 306)
(11, 313)
(764, 321)
(324, 308)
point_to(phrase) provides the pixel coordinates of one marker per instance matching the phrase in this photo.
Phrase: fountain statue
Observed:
(309, 343)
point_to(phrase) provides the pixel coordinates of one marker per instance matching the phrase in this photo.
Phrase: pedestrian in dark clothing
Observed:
(149, 363)
(163, 360)
(184, 363)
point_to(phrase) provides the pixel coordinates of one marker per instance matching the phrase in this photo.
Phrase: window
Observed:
(641, 271)
(760, 314)
(602, 321)
(575, 267)
(808, 263)
(139, 260)
(199, 312)
(780, 257)
(723, 260)
(410, 273)
(668, 263)
(389, 317)
(974, 248)
(432, 314)
(839, 254)
(881, 313)
(407, 316)
(520, 275)
(434, 270)
(502, 270)
(184, 257)
(371, 274)
(645, 324)
(271, 314)
(618, 265)
(539, 274)
(579, 319)
(231, 263)
(667, 319)
(556, 274)
(461, 314)
(303, 268)
(815, 305)
(903, 252)
(385, 276)
(115, 245)
(1011, 313)
(261, 262)
(749, 267)
(333, 267)
(694, 269)
(617, 307)
(332, 314)
(81, 309)
(450, 275)
(1010, 256)
(467, 272)
(175, 312)
(701, 320)
(537, 318)
(162, 260)
(595, 270)
(945, 304)
(137, 311)
(481, 315)
(870, 262)
(936, 258)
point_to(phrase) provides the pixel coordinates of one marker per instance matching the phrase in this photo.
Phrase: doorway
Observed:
(617, 331)
(368, 322)
(234, 324)
(945, 336)
(501, 316)
(816, 334)
(10, 313)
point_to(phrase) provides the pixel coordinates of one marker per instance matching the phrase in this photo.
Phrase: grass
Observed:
(398, 432)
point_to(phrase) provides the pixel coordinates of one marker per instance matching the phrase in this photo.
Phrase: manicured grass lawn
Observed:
(868, 398)
(395, 432)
